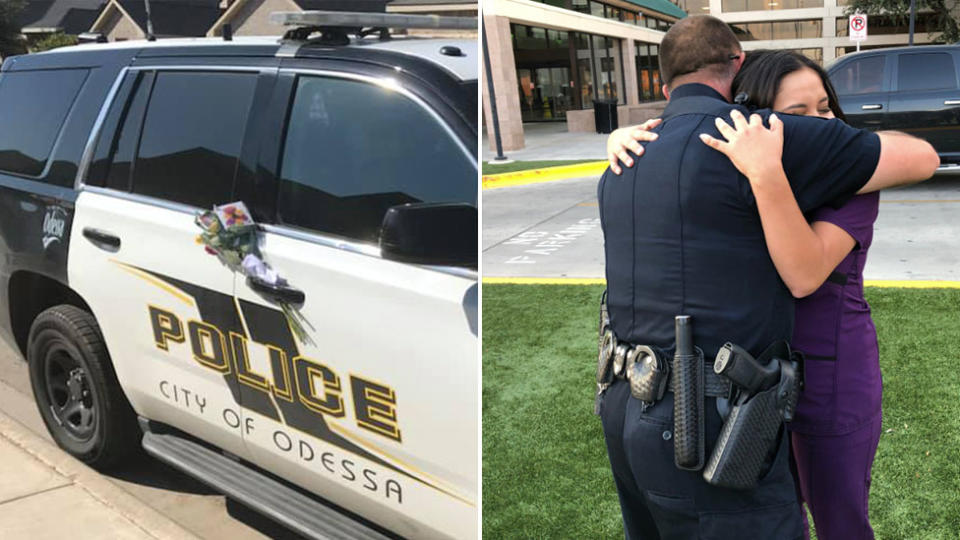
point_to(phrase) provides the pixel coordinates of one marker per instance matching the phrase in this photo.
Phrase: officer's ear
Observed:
(666, 92)
(738, 63)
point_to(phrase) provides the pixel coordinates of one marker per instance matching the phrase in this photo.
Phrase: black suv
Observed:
(909, 89)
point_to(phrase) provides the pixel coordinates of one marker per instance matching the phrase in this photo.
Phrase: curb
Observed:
(878, 283)
(145, 518)
(548, 174)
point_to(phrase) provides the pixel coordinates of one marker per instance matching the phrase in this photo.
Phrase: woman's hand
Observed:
(628, 138)
(755, 150)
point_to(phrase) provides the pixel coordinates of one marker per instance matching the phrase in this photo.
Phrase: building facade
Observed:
(816, 28)
(552, 60)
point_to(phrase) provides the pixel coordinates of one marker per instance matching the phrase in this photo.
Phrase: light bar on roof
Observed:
(340, 19)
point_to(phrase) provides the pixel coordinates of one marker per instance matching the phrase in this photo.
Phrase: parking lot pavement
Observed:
(551, 230)
(198, 511)
(48, 494)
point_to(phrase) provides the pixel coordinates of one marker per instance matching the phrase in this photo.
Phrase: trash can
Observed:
(605, 115)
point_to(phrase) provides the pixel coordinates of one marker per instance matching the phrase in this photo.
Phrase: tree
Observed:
(10, 40)
(942, 13)
(53, 41)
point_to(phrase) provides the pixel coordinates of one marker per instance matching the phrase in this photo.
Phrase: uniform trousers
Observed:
(833, 474)
(658, 501)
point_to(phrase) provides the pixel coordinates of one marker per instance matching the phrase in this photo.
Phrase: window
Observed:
(815, 54)
(860, 76)
(112, 159)
(33, 107)
(886, 24)
(728, 6)
(596, 9)
(778, 30)
(648, 72)
(352, 150)
(695, 7)
(192, 133)
(926, 71)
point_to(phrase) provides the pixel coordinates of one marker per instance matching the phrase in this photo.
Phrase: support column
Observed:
(504, 73)
(829, 31)
(628, 50)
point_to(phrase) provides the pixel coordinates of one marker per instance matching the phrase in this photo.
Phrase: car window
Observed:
(926, 71)
(192, 133)
(353, 149)
(33, 107)
(861, 76)
(113, 156)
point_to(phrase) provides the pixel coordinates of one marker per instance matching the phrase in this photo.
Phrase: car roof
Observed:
(464, 67)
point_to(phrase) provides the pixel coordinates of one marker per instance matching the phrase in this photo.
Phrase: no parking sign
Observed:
(858, 27)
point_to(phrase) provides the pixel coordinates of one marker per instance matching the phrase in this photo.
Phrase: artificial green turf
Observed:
(492, 168)
(545, 470)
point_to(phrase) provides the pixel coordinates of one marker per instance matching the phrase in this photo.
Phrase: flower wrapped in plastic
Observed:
(229, 232)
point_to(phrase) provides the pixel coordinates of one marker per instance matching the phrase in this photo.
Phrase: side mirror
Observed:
(442, 234)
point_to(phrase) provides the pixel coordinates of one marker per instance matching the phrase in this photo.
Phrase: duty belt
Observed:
(647, 369)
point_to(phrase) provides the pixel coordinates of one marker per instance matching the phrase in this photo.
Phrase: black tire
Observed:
(77, 391)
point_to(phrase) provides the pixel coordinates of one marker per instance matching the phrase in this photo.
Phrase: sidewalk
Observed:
(45, 493)
(550, 141)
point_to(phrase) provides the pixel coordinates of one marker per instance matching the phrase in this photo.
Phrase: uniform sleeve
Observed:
(856, 216)
(827, 161)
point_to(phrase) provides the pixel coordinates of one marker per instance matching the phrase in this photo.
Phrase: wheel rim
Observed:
(72, 400)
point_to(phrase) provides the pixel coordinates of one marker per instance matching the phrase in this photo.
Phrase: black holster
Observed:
(748, 441)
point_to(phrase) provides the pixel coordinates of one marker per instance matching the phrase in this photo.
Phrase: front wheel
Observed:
(76, 389)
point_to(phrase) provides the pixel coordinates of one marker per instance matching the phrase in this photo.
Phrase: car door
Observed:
(862, 85)
(379, 399)
(168, 147)
(926, 99)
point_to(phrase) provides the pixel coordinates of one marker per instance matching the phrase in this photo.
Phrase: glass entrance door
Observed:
(545, 93)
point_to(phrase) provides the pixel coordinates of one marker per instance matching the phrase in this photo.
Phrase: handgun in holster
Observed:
(764, 393)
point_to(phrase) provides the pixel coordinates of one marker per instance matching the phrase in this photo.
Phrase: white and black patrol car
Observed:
(137, 336)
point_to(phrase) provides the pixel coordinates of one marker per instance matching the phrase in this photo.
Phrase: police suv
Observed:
(356, 155)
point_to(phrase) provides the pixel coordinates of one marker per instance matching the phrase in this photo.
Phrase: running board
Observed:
(281, 503)
(948, 168)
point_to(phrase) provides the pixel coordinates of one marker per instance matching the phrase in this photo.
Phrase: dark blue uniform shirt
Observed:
(683, 236)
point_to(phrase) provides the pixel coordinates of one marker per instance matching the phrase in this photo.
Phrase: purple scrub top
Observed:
(834, 330)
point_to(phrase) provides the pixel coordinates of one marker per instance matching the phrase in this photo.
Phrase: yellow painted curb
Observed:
(542, 281)
(911, 284)
(548, 174)
(881, 283)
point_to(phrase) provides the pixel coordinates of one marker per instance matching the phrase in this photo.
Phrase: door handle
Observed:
(952, 102)
(102, 238)
(283, 293)
(873, 107)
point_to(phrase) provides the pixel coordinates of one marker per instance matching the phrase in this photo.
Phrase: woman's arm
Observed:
(623, 139)
(803, 254)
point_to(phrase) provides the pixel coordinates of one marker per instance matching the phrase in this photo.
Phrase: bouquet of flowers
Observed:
(229, 232)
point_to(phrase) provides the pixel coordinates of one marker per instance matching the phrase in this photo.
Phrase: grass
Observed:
(545, 470)
(490, 168)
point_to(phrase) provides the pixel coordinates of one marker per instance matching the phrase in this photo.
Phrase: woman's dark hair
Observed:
(763, 70)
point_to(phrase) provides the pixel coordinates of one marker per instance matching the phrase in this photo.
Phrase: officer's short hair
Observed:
(698, 42)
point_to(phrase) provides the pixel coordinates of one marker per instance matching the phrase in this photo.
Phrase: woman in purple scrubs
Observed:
(821, 258)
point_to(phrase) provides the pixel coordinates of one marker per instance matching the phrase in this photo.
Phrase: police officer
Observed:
(682, 236)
